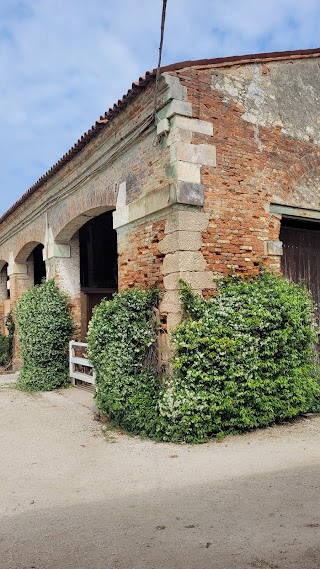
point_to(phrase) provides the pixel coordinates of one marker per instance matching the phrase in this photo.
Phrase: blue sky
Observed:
(63, 63)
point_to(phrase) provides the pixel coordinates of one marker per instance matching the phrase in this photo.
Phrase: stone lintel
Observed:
(294, 212)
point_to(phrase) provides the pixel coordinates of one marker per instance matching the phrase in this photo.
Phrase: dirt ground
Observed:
(75, 495)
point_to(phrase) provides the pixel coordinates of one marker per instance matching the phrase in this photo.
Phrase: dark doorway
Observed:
(39, 266)
(98, 264)
(301, 255)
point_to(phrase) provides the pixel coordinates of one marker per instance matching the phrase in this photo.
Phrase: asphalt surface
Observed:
(75, 495)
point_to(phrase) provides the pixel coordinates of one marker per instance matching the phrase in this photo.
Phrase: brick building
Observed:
(227, 176)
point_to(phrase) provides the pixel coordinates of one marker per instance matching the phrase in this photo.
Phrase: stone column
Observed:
(20, 281)
(3, 298)
(63, 265)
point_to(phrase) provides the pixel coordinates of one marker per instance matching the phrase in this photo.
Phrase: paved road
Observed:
(75, 496)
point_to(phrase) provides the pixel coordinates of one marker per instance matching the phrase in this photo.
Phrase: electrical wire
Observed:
(163, 20)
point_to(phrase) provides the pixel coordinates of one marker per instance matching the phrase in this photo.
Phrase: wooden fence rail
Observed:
(80, 367)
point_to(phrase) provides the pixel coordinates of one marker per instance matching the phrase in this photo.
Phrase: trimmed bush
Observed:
(243, 359)
(121, 338)
(44, 330)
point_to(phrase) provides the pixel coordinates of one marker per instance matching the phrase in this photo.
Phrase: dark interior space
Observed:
(39, 265)
(98, 264)
(98, 254)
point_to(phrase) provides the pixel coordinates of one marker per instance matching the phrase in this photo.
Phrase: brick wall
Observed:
(140, 261)
(257, 162)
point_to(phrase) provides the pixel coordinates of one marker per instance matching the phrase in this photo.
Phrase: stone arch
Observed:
(304, 180)
(66, 232)
(25, 251)
(3, 263)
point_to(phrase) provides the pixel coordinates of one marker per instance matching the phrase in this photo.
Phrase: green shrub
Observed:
(243, 359)
(10, 325)
(121, 335)
(44, 330)
(4, 350)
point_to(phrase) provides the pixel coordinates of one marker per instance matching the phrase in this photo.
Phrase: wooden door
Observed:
(301, 255)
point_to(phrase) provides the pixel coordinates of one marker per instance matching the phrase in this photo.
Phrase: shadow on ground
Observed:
(270, 521)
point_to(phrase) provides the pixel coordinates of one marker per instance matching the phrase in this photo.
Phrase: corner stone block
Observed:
(178, 135)
(185, 220)
(175, 107)
(187, 172)
(199, 280)
(183, 261)
(190, 193)
(204, 154)
(180, 241)
(195, 125)
(170, 302)
(173, 319)
(176, 90)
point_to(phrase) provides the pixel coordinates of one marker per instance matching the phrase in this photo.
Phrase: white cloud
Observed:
(64, 62)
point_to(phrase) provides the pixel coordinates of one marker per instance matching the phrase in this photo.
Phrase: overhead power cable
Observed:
(163, 20)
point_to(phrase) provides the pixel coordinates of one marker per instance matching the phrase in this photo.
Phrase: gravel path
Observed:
(75, 495)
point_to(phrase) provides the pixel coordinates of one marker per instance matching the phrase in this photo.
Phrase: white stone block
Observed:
(204, 154)
(180, 241)
(175, 107)
(274, 248)
(175, 90)
(187, 172)
(195, 125)
(177, 135)
(183, 261)
(187, 221)
(170, 302)
(173, 319)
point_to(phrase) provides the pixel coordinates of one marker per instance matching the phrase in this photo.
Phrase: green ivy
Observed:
(122, 334)
(243, 359)
(44, 330)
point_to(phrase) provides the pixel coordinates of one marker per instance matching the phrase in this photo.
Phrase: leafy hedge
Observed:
(121, 335)
(44, 330)
(243, 359)
(4, 350)
(6, 343)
